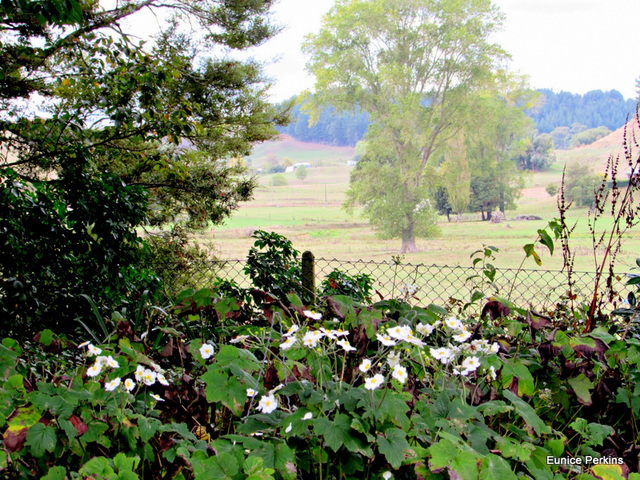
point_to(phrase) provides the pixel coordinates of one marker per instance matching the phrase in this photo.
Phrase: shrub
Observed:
(279, 180)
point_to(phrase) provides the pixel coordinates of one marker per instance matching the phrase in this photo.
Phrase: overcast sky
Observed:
(570, 45)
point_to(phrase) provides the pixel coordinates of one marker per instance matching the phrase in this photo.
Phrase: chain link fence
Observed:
(539, 289)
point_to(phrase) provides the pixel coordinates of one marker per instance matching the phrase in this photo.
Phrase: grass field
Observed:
(310, 214)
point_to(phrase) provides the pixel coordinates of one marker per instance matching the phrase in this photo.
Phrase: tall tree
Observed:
(497, 134)
(410, 64)
(456, 176)
(101, 135)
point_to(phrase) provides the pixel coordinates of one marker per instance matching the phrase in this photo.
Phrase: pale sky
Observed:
(570, 45)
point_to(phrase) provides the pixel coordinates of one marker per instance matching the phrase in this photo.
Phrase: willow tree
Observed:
(412, 65)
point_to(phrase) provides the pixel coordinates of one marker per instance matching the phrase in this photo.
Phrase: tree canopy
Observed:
(102, 134)
(412, 65)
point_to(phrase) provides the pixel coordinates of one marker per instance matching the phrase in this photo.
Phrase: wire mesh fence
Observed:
(539, 289)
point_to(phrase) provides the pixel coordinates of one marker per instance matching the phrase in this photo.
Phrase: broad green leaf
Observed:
(546, 240)
(41, 438)
(493, 466)
(97, 466)
(335, 433)
(527, 413)
(124, 463)
(55, 473)
(285, 462)
(393, 446)
(581, 385)
(608, 472)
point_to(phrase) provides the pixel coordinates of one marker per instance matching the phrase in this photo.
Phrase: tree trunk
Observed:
(408, 240)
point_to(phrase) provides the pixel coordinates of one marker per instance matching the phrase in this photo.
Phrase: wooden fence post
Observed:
(309, 275)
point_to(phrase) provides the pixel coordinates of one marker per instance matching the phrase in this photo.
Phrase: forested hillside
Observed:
(593, 109)
(564, 109)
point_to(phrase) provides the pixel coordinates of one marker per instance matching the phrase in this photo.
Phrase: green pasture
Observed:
(310, 213)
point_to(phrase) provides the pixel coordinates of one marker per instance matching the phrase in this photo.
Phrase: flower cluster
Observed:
(142, 375)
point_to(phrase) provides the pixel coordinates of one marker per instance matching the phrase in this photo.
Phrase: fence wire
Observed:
(437, 284)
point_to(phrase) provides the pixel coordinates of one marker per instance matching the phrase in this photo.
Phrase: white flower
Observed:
(495, 347)
(91, 350)
(239, 339)
(393, 359)
(157, 398)
(112, 385)
(346, 345)
(425, 329)
(470, 364)
(111, 362)
(293, 329)
(307, 416)
(365, 365)
(288, 429)
(129, 385)
(445, 355)
(267, 404)
(288, 343)
(328, 333)
(385, 340)
(340, 333)
(373, 382)
(94, 370)
(313, 315)
(454, 323)
(206, 350)
(162, 379)
(409, 289)
(84, 344)
(462, 335)
(492, 373)
(148, 377)
(399, 332)
(310, 339)
(411, 339)
(139, 372)
(251, 392)
(387, 475)
(399, 373)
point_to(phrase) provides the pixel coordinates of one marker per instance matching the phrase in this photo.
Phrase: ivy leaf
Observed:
(41, 438)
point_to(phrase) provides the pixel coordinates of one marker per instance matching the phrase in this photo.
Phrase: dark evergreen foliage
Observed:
(594, 109)
(557, 110)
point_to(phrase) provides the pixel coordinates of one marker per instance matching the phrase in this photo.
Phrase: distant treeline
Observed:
(591, 110)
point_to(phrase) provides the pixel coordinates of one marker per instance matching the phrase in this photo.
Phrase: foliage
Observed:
(329, 128)
(539, 154)
(301, 173)
(593, 109)
(357, 287)
(387, 387)
(273, 266)
(124, 135)
(278, 180)
(412, 65)
(551, 189)
(589, 136)
(580, 184)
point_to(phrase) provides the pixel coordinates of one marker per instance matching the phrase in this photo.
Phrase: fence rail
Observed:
(540, 289)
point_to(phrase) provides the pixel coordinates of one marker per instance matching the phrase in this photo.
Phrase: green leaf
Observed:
(55, 473)
(285, 462)
(493, 466)
(546, 240)
(97, 466)
(581, 385)
(148, 427)
(393, 445)
(124, 463)
(608, 472)
(527, 413)
(41, 438)
(335, 433)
